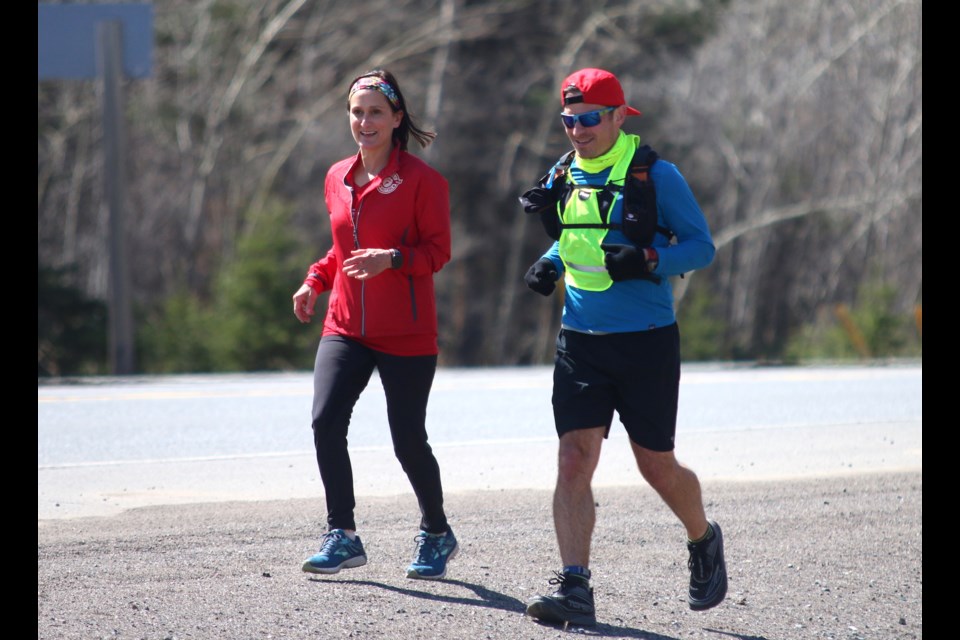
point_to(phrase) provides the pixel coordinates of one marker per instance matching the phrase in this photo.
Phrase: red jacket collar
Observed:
(391, 168)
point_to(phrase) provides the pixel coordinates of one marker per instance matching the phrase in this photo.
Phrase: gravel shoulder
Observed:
(833, 557)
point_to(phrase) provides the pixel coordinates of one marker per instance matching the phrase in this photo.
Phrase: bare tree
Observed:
(811, 139)
(798, 125)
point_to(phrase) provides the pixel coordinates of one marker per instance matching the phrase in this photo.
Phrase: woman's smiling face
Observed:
(372, 121)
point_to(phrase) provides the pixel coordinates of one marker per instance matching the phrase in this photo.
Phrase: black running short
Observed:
(636, 374)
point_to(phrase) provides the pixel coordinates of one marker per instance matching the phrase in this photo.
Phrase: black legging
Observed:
(342, 370)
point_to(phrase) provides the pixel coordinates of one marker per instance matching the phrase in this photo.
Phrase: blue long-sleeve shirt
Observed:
(640, 305)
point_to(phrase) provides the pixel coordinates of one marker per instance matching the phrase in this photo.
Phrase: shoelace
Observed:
(330, 543)
(559, 580)
(563, 582)
(427, 543)
(428, 547)
(700, 564)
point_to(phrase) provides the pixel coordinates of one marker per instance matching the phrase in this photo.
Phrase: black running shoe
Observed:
(572, 602)
(708, 571)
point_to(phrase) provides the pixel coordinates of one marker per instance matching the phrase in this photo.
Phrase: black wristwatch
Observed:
(396, 259)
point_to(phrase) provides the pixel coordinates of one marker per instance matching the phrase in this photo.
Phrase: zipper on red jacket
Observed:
(355, 219)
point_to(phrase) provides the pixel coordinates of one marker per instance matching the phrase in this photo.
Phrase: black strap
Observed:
(640, 164)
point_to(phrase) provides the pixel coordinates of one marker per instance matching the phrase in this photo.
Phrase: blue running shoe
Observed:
(337, 551)
(431, 556)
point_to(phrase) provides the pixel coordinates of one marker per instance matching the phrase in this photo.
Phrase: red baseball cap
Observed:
(598, 87)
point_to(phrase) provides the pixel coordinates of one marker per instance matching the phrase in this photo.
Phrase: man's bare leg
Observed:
(677, 485)
(574, 514)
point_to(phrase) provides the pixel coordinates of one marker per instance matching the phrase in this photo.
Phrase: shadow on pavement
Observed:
(608, 631)
(489, 599)
(495, 600)
(736, 636)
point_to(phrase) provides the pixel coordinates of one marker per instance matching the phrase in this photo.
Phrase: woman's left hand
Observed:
(364, 264)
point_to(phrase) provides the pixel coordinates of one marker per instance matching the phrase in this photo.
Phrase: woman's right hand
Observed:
(304, 300)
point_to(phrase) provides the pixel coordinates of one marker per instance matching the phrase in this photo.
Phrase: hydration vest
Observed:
(580, 220)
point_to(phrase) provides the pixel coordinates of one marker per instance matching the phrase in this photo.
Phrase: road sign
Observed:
(66, 39)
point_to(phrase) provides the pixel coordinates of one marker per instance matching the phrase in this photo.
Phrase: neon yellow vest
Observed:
(580, 248)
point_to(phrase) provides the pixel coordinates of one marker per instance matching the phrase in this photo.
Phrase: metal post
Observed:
(109, 63)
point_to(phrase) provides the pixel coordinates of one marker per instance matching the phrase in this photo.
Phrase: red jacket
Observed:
(406, 207)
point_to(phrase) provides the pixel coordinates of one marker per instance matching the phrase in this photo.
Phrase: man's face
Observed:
(593, 142)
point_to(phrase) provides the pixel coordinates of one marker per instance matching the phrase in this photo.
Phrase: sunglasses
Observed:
(588, 119)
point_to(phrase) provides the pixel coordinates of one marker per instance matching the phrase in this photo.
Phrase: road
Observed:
(108, 445)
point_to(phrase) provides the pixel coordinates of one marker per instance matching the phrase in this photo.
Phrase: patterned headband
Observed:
(376, 84)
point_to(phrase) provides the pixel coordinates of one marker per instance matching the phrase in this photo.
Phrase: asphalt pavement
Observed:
(822, 518)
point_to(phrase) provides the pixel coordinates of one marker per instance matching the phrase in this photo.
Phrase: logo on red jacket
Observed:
(389, 185)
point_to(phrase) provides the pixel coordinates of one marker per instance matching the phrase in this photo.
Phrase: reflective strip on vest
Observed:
(580, 248)
(586, 267)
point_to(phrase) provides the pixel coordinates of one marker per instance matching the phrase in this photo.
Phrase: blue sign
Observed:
(67, 36)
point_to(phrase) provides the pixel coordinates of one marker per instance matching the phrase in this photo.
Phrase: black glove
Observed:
(541, 196)
(543, 201)
(542, 276)
(625, 262)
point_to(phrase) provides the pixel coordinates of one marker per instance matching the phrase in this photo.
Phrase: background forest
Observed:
(797, 124)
